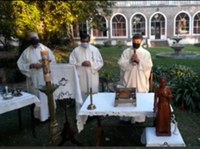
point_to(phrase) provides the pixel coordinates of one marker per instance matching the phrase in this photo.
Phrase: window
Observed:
(101, 29)
(138, 24)
(118, 26)
(78, 29)
(196, 24)
(158, 24)
(182, 24)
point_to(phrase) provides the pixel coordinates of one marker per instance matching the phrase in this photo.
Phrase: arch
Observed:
(141, 23)
(120, 29)
(182, 23)
(196, 23)
(158, 26)
(103, 31)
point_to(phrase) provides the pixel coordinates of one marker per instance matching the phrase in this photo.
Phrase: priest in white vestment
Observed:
(29, 63)
(88, 62)
(135, 67)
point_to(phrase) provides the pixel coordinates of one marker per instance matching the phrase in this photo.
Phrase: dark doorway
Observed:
(157, 35)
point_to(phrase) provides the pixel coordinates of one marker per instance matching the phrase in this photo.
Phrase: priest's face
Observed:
(85, 42)
(136, 42)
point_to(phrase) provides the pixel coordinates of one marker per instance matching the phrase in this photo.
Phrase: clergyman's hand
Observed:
(86, 64)
(36, 66)
(134, 58)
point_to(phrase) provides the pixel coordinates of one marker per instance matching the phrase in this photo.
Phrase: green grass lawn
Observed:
(112, 54)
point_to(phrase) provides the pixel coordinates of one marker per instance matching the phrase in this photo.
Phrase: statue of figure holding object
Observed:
(162, 99)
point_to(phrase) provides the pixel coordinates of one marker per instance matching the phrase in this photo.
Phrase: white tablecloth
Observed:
(174, 140)
(105, 107)
(65, 75)
(14, 103)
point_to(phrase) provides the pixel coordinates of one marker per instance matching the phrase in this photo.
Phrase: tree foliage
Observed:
(51, 19)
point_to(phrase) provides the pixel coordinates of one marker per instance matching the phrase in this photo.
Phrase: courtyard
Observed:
(11, 135)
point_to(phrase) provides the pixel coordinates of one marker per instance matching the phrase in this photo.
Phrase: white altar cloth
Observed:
(66, 77)
(152, 140)
(104, 103)
(14, 103)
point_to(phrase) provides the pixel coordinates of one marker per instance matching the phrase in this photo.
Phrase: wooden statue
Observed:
(162, 99)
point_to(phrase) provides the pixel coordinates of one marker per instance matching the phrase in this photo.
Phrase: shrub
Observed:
(184, 83)
(107, 43)
(158, 72)
(110, 76)
(99, 46)
(61, 56)
(120, 44)
(186, 89)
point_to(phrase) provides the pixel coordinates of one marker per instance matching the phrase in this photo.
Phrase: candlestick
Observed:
(91, 95)
(91, 106)
(48, 90)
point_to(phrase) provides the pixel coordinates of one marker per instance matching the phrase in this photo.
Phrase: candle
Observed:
(89, 78)
(44, 54)
(6, 88)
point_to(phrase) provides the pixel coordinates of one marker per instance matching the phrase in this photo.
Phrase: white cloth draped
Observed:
(26, 99)
(35, 78)
(65, 76)
(105, 107)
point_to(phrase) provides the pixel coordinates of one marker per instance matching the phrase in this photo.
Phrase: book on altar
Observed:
(125, 97)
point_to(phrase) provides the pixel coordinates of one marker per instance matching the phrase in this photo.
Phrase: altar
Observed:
(105, 107)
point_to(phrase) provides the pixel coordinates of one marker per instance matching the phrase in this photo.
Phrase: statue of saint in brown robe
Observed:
(162, 99)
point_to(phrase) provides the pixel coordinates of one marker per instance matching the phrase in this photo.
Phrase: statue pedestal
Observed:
(152, 140)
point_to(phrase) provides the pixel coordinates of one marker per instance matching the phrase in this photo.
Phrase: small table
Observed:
(16, 103)
(152, 140)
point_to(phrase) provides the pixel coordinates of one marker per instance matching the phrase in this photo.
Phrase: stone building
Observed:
(157, 21)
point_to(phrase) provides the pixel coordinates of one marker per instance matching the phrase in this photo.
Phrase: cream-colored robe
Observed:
(35, 78)
(136, 75)
(88, 76)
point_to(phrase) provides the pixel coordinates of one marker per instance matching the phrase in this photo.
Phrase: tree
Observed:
(51, 19)
(6, 23)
